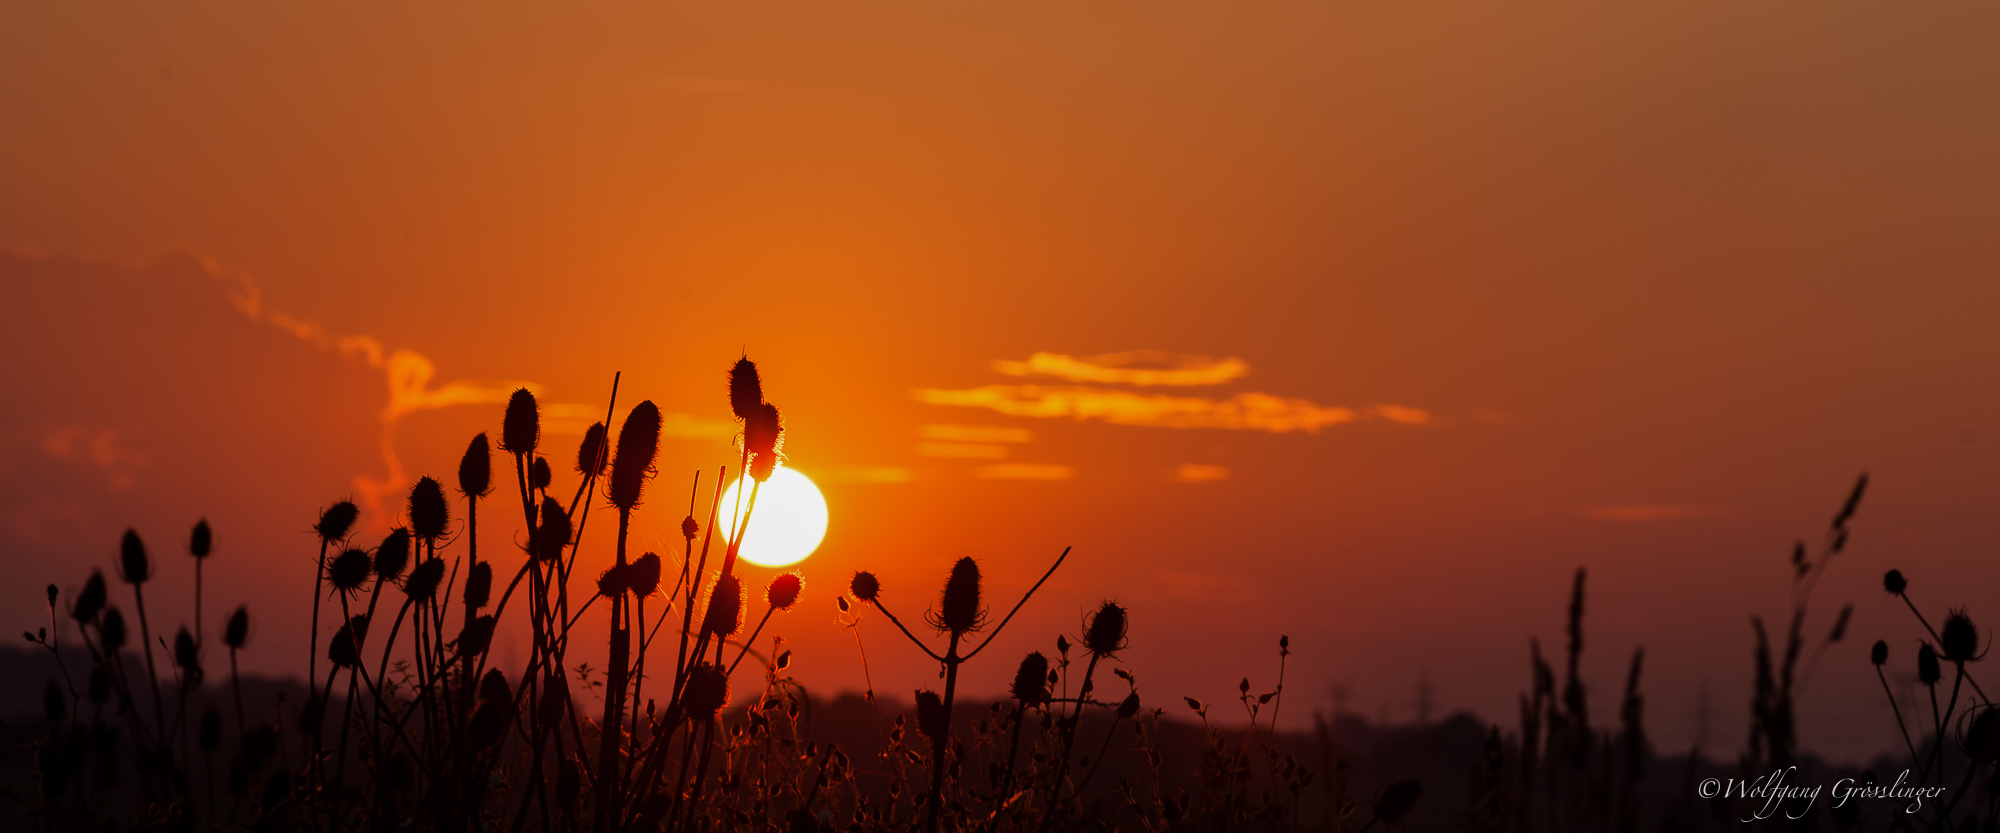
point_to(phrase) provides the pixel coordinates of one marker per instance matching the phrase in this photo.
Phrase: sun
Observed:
(788, 522)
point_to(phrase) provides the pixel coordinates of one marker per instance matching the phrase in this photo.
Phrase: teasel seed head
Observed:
(423, 582)
(689, 528)
(552, 534)
(958, 610)
(1959, 638)
(539, 474)
(1894, 582)
(1031, 680)
(638, 444)
(746, 391)
(187, 655)
(200, 540)
(429, 513)
(392, 556)
(236, 632)
(475, 469)
(349, 571)
(931, 717)
(133, 565)
(337, 521)
(1396, 800)
(614, 581)
(494, 686)
(478, 585)
(784, 591)
(523, 424)
(763, 437)
(645, 575)
(591, 458)
(864, 586)
(111, 629)
(1880, 653)
(489, 723)
(345, 647)
(210, 735)
(476, 637)
(91, 601)
(1106, 633)
(1928, 671)
(725, 607)
(706, 693)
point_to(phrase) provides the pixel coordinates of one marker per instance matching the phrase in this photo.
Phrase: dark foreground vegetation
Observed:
(406, 722)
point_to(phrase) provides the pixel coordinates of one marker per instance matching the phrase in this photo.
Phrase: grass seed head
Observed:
(392, 556)
(725, 607)
(91, 601)
(522, 427)
(959, 611)
(864, 586)
(133, 564)
(429, 513)
(475, 469)
(1031, 680)
(478, 585)
(1106, 633)
(746, 391)
(236, 632)
(590, 456)
(201, 540)
(784, 591)
(337, 521)
(638, 443)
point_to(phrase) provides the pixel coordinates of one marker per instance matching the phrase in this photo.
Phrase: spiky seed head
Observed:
(1031, 680)
(1982, 739)
(133, 564)
(689, 528)
(187, 656)
(958, 610)
(590, 456)
(614, 581)
(91, 601)
(210, 735)
(478, 585)
(111, 629)
(475, 469)
(784, 591)
(522, 427)
(494, 686)
(540, 475)
(1880, 653)
(1894, 582)
(1928, 671)
(706, 693)
(1106, 633)
(763, 437)
(489, 723)
(200, 540)
(638, 443)
(1396, 800)
(345, 647)
(725, 607)
(236, 632)
(337, 521)
(645, 575)
(931, 717)
(429, 513)
(552, 534)
(423, 582)
(864, 586)
(349, 570)
(746, 391)
(476, 637)
(392, 556)
(1959, 638)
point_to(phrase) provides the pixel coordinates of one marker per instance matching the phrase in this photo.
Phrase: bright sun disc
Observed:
(787, 524)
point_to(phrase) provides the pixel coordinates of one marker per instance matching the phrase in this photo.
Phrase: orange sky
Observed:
(1663, 278)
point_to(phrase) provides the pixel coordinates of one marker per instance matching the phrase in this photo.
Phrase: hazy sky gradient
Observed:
(1664, 277)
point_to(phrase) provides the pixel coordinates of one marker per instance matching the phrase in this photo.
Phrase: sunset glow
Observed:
(786, 525)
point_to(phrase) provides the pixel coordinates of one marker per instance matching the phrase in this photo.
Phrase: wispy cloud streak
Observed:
(1143, 368)
(1242, 412)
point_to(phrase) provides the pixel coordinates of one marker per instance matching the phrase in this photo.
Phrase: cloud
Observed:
(97, 447)
(1242, 412)
(962, 451)
(1198, 473)
(1641, 512)
(1144, 368)
(863, 474)
(975, 434)
(1025, 471)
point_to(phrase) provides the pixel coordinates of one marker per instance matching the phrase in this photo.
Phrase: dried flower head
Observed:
(645, 575)
(423, 582)
(111, 629)
(91, 601)
(522, 427)
(1959, 638)
(725, 607)
(429, 513)
(1880, 653)
(348, 571)
(638, 443)
(932, 720)
(864, 586)
(478, 585)
(958, 610)
(133, 564)
(1894, 582)
(345, 647)
(236, 632)
(489, 723)
(337, 521)
(539, 475)
(763, 437)
(494, 686)
(476, 637)
(1928, 670)
(614, 581)
(706, 693)
(689, 528)
(746, 391)
(392, 556)
(1031, 680)
(784, 591)
(552, 534)
(187, 656)
(475, 469)
(591, 458)
(1105, 634)
(201, 540)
